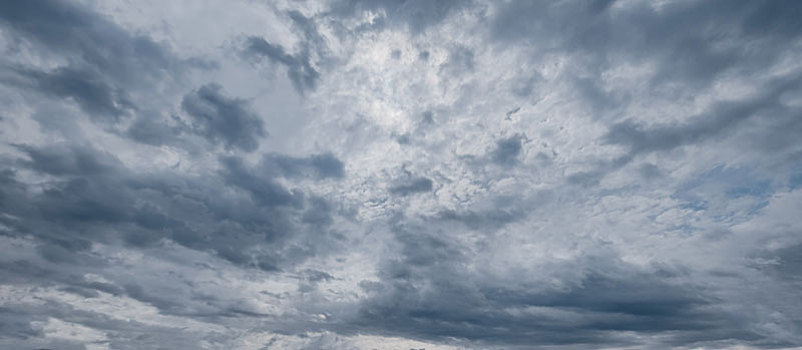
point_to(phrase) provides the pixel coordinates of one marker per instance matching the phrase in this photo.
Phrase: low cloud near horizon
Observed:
(349, 174)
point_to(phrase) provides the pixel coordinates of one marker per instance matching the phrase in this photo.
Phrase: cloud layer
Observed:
(415, 174)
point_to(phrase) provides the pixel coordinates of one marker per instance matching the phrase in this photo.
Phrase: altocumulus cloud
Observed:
(400, 174)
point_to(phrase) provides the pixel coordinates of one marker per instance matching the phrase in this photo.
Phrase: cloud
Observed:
(93, 192)
(299, 66)
(66, 29)
(68, 160)
(723, 117)
(607, 174)
(88, 89)
(411, 186)
(86, 58)
(223, 119)
(696, 53)
(507, 150)
(414, 16)
(263, 190)
(428, 292)
(318, 166)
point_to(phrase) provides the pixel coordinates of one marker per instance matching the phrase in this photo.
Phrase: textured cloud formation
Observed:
(400, 174)
(220, 118)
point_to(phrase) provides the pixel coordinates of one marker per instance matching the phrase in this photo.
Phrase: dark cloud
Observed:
(315, 275)
(485, 221)
(90, 197)
(650, 171)
(690, 44)
(88, 89)
(110, 73)
(107, 71)
(586, 178)
(428, 293)
(512, 111)
(299, 66)
(725, 120)
(223, 119)
(723, 117)
(507, 150)
(303, 67)
(92, 193)
(263, 189)
(120, 334)
(152, 129)
(318, 166)
(789, 264)
(309, 30)
(259, 181)
(412, 186)
(66, 159)
(64, 28)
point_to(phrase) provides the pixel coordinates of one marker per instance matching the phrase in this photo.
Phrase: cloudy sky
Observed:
(352, 174)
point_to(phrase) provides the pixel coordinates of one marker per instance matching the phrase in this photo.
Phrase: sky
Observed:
(352, 174)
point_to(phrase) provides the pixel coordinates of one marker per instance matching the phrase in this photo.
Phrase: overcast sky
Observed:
(352, 174)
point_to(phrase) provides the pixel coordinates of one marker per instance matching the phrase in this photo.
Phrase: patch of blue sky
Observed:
(795, 181)
(730, 182)
(760, 188)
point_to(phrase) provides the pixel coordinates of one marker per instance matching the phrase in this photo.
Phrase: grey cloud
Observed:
(650, 171)
(308, 27)
(66, 159)
(415, 15)
(263, 189)
(64, 28)
(721, 119)
(427, 293)
(154, 130)
(173, 199)
(17, 324)
(299, 66)
(695, 51)
(512, 111)
(88, 89)
(223, 119)
(460, 61)
(507, 150)
(93, 198)
(789, 264)
(312, 50)
(486, 221)
(319, 166)
(93, 192)
(122, 334)
(412, 186)
(586, 178)
(259, 180)
(524, 86)
(315, 276)
(109, 72)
